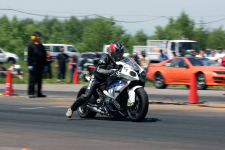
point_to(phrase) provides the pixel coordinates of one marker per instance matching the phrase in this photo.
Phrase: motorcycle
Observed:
(122, 96)
(87, 70)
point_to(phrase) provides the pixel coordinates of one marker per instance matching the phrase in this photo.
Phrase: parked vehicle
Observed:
(123, 94)
(55, 50)
(179, 70)
(8, 57)
(87, 68)
(169, 47)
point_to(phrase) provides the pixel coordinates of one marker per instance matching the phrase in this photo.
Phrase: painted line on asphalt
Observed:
(33, 108)
(164, 106)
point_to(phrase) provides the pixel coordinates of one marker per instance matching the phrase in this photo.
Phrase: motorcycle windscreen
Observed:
(115, 89)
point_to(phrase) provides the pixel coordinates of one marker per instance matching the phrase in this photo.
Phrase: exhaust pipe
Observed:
(95, 109)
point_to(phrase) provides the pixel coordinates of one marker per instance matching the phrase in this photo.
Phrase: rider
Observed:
(103, 70)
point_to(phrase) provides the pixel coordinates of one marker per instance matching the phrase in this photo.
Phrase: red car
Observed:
(179, 70)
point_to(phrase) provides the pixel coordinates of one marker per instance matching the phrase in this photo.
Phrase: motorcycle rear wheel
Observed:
(83, 111)
(139, 110)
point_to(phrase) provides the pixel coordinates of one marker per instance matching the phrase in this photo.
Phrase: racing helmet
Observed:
(116, 50)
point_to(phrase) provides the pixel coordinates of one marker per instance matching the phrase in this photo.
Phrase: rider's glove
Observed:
(112, 71)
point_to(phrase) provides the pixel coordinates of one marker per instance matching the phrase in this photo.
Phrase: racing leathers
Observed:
(101, 72)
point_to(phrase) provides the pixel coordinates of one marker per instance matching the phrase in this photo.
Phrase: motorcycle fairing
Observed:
(115, 89)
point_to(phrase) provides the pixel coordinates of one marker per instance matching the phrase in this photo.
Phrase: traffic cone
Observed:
(8, 85)
(193, 93)
(75, 76)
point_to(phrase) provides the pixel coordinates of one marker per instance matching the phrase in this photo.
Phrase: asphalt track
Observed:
(40, 124)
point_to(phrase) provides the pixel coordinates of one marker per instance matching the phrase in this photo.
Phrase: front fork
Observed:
(131, 95)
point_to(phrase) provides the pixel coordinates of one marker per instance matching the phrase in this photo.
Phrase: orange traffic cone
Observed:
(8, 85)
(193, 93)
(75, 76)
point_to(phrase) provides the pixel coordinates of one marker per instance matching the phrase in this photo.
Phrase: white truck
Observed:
(8, 57)
(55, 50)
(168, 46)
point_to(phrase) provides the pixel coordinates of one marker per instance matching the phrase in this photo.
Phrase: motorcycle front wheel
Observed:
(83, 111)
(139, 110)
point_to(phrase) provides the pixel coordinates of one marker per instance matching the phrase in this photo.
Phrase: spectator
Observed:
(85, 60)
(174, 53)
(61, 61)
(213, 56)
(48, 72)
(136, 58)
(223, 61)
(192, 53)
(219, 55)
(144, 60)
(181, 53)
(16, 71)
(201, 53)
(72, 66)
(162, 56)
(2, 70)
(208, 53)
(36, 64)
(96, 58)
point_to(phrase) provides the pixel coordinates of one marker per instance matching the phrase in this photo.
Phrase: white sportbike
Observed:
(123, 94)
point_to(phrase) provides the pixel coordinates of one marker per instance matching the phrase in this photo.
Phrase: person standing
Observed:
(72, 66)
(36, 65)
(219, 55)
(48, 73)
(162, 56)
(61, 61)
(144, 60)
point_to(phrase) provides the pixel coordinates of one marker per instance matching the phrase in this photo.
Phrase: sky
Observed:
(133, 15)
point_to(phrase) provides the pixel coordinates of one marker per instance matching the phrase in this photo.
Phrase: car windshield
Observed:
(132, 63)
(89, 55)
(199, 61)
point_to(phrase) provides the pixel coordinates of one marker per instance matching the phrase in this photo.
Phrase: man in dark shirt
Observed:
(36, 64)
(61, 61)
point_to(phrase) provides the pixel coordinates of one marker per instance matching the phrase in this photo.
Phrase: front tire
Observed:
(201, 85)
(83, 111)
(139, 110)
(159, 81)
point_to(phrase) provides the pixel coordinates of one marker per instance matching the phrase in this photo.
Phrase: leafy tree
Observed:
(216, 38)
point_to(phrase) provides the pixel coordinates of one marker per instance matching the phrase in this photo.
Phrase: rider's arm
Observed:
(102, 66)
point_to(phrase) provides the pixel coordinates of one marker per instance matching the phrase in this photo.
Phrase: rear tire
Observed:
(139, 110)
(159, 81)
(83, 111)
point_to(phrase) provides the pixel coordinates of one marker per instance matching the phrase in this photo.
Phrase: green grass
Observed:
(23, 65)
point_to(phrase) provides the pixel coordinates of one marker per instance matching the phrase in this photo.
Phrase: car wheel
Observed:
(11, 60)
(158, 81)
(201, 85)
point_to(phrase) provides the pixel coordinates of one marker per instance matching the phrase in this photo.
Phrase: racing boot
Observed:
(69, 113)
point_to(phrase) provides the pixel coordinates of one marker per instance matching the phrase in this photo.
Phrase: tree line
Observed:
(91, 34)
